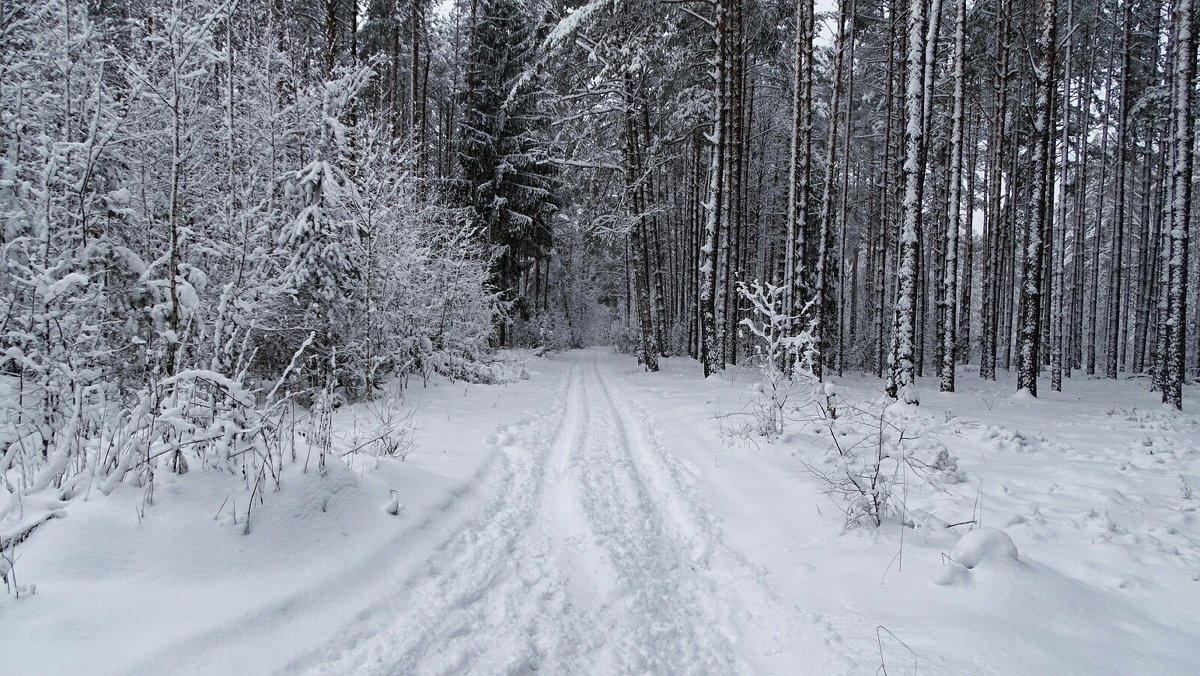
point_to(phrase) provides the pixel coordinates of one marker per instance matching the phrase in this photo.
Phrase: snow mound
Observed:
(981, 544)
(1023, 394)
(984, 544)
(951, 573)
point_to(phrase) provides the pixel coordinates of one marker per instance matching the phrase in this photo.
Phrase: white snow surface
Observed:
(984, 544)
(589, 520)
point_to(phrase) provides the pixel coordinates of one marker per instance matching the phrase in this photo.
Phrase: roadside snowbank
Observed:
(175, 586)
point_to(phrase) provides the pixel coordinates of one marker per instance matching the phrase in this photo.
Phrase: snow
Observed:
(984, 544)
(393, 505)
(181, 586)
(1081, 599)
(591, 519)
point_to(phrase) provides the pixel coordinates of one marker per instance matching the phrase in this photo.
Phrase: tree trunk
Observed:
(901, 378)
(714, 203)
(1117, 253)
(993, 222)
(1183, 138)
(953, 200)
(1042, 194)
(824, 228)
(800, 165)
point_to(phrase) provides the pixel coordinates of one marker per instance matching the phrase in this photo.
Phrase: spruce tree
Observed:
(507, 179)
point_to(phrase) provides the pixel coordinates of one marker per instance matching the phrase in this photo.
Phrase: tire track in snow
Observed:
(595, 555)
(664, 603)
(486, 599)
(776, 635)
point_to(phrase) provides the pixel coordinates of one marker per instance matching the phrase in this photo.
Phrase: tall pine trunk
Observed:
(953, 202)
(1041, 192)
(1182, 140)
(799, 170)
(901, 377)
(822, 294)
(714, 202)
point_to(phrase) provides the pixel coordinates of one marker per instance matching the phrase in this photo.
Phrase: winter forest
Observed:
(599, 336)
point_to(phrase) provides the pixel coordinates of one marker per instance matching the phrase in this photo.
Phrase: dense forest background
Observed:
(211, 208)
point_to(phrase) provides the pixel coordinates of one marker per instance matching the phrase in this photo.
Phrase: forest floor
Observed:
(594, 519)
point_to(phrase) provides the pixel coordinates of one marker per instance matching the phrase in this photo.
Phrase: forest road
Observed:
(593, 553)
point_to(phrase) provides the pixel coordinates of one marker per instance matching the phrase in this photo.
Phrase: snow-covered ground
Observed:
(590, 520)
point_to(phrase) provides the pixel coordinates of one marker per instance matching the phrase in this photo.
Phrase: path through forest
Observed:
(596, 555)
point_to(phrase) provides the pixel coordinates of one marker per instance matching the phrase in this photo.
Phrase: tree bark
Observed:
(901, 377)
(1183, 139)
(953, 203)
(1041, 192)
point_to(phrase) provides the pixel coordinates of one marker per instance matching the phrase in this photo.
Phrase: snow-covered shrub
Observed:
(548, 329)
(386, 276)
(319, 432)
(392, 429)
(874, 451)
(784, 361)
(553, 332)
(623, 337)
(864, 463)
(469, 370)
(945, 466)
(65, 278)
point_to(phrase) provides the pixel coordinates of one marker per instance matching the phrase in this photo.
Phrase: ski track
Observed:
(595, 555)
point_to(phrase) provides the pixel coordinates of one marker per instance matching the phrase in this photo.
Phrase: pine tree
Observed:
(797, 244)
(953, 203)
(1041, 192)
(714, 210)
(823, 295)
(1183, 128)
(902, 375)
